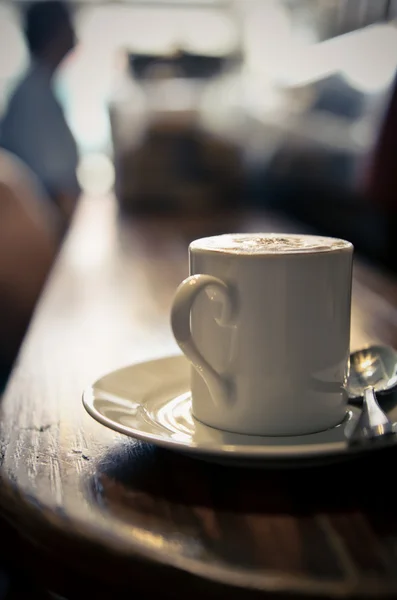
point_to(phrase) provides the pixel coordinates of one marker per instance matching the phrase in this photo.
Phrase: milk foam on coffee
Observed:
(269, 243)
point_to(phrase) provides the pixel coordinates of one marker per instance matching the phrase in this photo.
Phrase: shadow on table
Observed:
(256, 519)
(167, 476)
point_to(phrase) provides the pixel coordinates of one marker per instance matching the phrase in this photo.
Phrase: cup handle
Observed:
(184, 299)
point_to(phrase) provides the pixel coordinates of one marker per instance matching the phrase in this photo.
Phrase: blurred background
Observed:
(197, 104)
(193, 107)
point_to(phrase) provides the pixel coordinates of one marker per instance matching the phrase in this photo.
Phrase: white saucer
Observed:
(151, 401)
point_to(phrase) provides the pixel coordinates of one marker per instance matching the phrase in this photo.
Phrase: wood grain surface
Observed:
(123, 515)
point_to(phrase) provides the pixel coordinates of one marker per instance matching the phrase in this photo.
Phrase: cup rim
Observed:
(201, 245)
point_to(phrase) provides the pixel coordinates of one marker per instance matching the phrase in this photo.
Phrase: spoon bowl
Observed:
(372, 369)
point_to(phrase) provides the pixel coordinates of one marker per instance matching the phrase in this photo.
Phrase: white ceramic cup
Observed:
(265, 321)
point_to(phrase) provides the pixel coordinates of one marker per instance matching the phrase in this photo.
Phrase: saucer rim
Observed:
(227, 451)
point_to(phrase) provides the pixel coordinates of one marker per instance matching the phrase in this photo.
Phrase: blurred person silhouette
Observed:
(34, 127)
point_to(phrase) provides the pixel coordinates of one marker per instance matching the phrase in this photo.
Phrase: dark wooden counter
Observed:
(92, 507)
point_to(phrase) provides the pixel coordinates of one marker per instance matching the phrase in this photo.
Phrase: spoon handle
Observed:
(373, 422)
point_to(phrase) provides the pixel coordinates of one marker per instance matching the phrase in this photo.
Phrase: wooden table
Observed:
(92, 507)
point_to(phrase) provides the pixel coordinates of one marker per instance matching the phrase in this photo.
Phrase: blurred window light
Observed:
(88, 118)
(370, 66)
(212, 33)
(268, 35)
(157, 29)
(366, 58)
(88, 77)
(13, 53)
(96, 174)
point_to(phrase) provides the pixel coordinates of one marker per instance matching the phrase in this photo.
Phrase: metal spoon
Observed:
(373, 369)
